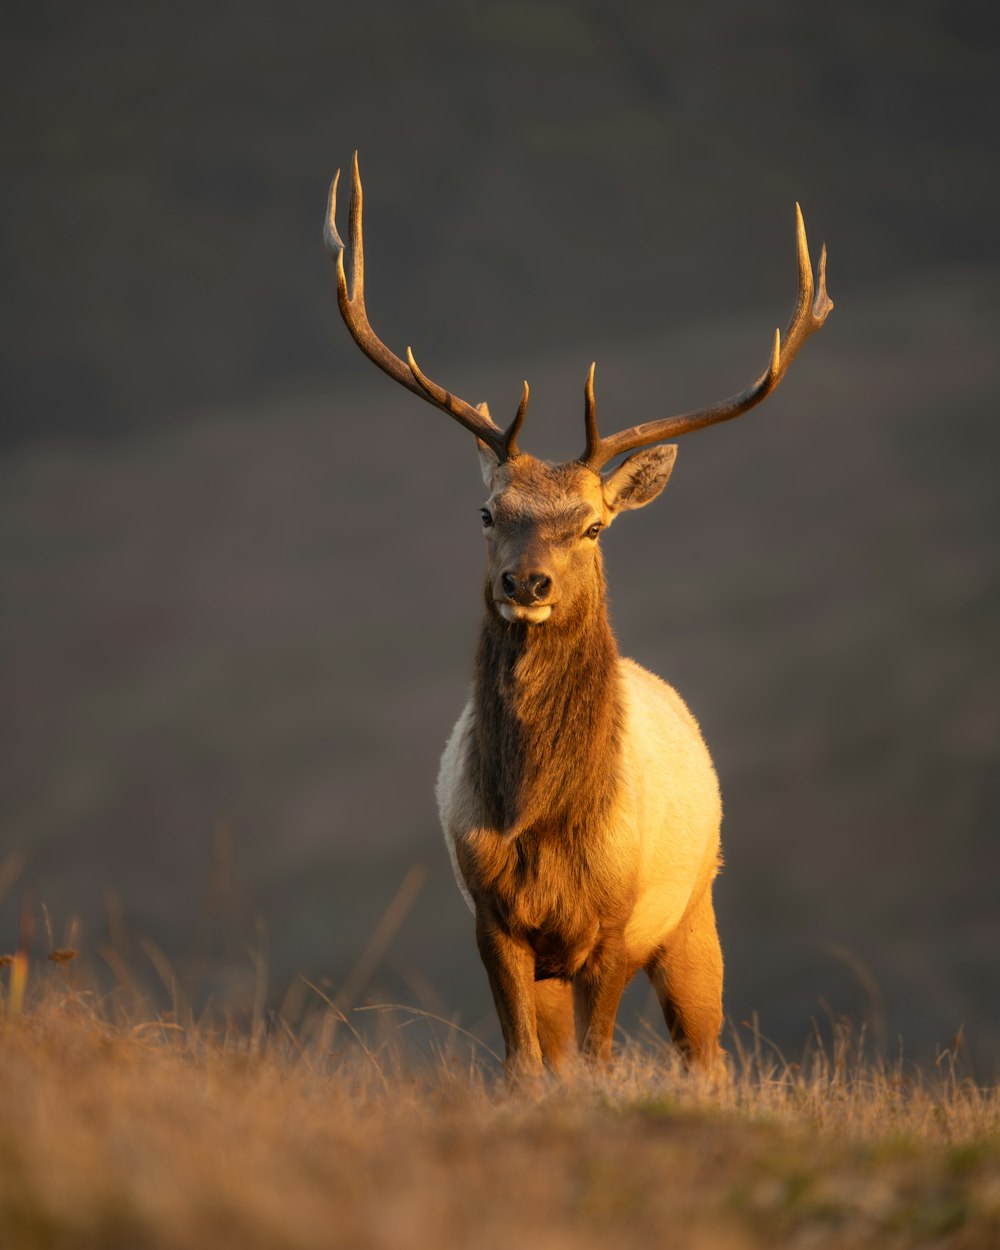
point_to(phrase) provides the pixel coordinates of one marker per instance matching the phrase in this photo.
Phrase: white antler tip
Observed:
(332, 240)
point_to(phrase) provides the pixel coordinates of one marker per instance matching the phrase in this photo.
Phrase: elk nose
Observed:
(528, 588)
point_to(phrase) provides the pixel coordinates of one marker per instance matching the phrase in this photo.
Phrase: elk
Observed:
(579, 802)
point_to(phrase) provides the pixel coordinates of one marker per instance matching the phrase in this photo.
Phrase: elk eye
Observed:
(594, 530)
(487, 517)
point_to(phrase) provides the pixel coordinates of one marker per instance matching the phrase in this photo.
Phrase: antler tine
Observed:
(812, 306)
(503, 442)
(512, 431)
(590, 417)
(332, 241)
(352, 309)
(809, 313)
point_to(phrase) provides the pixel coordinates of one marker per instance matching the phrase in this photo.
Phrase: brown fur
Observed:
(544, 754)
(577, 796)
(544, 759)
(546, 743)
(554, 876)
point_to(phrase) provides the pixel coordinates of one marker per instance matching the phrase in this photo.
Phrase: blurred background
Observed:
(239, 611)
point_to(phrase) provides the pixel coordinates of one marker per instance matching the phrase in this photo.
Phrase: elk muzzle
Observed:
(526, 589)
(525, 595)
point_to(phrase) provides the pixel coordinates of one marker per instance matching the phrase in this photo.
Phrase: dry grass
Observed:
(118, 1130)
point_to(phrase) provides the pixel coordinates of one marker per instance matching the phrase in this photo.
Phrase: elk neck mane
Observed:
(548, 720)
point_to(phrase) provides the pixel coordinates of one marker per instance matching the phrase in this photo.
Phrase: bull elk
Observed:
(578, 799)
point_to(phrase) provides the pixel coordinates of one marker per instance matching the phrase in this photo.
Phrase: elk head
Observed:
(542, 521)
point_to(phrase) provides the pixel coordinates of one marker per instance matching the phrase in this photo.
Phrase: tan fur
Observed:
(577, 796)
(579, 803)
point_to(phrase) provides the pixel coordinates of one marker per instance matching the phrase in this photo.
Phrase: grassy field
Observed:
(119, 1128)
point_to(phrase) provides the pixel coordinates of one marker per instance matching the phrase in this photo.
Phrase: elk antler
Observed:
(352, 308)
(807, 317)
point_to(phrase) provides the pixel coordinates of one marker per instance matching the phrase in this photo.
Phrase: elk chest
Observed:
(553, 887)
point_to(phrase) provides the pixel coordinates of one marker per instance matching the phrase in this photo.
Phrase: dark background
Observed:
(239, 605)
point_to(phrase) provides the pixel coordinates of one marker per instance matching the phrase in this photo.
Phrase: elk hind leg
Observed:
(686, 973)
(556, 1027)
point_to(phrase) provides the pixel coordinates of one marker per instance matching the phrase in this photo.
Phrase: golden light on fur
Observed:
(578, 799)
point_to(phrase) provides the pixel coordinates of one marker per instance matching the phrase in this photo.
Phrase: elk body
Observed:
(578, 798)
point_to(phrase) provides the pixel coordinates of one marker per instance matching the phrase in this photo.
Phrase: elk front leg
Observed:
(510, 966)
(556, 1026)
(597, 991)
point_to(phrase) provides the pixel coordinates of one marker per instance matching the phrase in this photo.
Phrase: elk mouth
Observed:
(533, 615)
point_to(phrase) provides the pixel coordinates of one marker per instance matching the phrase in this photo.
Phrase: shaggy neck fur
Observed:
(548, 718)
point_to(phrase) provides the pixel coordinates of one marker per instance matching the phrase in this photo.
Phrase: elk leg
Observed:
(556, 1029)
(686, 973)
(510, 966)
(597, 991)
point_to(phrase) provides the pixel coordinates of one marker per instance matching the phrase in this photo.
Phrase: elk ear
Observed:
(488, 462)
(638, 480)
